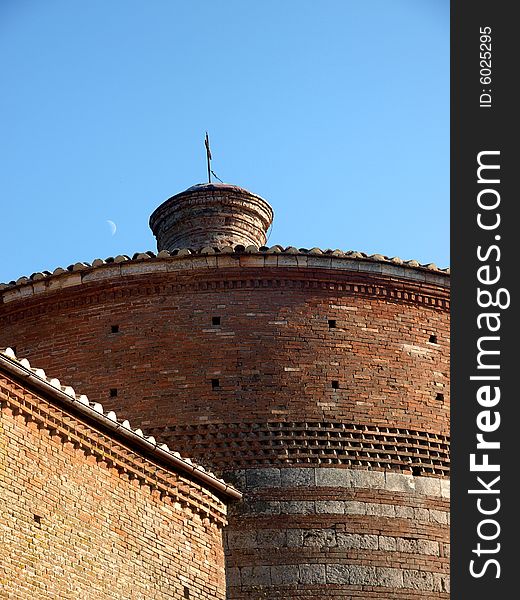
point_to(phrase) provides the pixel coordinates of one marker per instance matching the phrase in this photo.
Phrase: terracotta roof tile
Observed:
(96, 411)
(183, 252)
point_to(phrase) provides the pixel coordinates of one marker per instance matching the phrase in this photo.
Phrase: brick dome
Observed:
(211, 214)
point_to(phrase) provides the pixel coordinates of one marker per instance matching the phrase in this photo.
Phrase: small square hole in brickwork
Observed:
(335, 385)
(439, 396)
(215, 320)
(416, 471)
(332, 323)
(215, 384)
(186, 592)
(113, 392)
(433, 339)
(37, 519)
(114, 329)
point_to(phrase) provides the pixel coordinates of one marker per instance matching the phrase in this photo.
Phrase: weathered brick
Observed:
(252, 397)
(80, 526)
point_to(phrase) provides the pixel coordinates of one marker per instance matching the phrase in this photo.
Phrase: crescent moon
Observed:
(112, 226)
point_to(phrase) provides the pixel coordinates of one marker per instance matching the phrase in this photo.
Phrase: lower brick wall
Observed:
(328, 532)
(71, 527)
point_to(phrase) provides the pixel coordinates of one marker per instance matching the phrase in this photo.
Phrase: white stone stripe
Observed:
(343, 507)
(342, 574)
(288, 477)
(202, 261)
(328, 538)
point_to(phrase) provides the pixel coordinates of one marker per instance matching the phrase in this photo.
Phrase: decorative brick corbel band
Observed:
(109, 449)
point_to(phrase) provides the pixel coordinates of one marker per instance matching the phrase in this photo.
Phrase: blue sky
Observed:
(336, 112)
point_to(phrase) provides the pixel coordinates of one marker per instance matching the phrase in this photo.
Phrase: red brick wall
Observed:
(273, 354)
(73, 527)
(211, 214)
(275, 358)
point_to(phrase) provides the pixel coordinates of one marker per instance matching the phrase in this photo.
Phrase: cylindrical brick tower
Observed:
(211, 214)
(317, 381)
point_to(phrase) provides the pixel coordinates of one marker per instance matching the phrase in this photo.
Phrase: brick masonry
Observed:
(317, 383)
(211, 214)
(323, 526)
(74, 523)
(273, 353)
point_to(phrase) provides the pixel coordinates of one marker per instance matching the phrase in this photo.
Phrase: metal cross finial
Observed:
(208, 156)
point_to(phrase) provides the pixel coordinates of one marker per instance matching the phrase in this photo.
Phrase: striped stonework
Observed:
(323, 532)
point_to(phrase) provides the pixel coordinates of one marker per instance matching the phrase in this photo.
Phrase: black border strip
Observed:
(483, 123)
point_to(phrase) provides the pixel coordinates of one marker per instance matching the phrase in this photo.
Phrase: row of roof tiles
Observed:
(183, 252)
(95, 410)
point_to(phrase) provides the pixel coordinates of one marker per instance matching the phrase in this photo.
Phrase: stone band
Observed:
(339, 573)
(289, 477)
